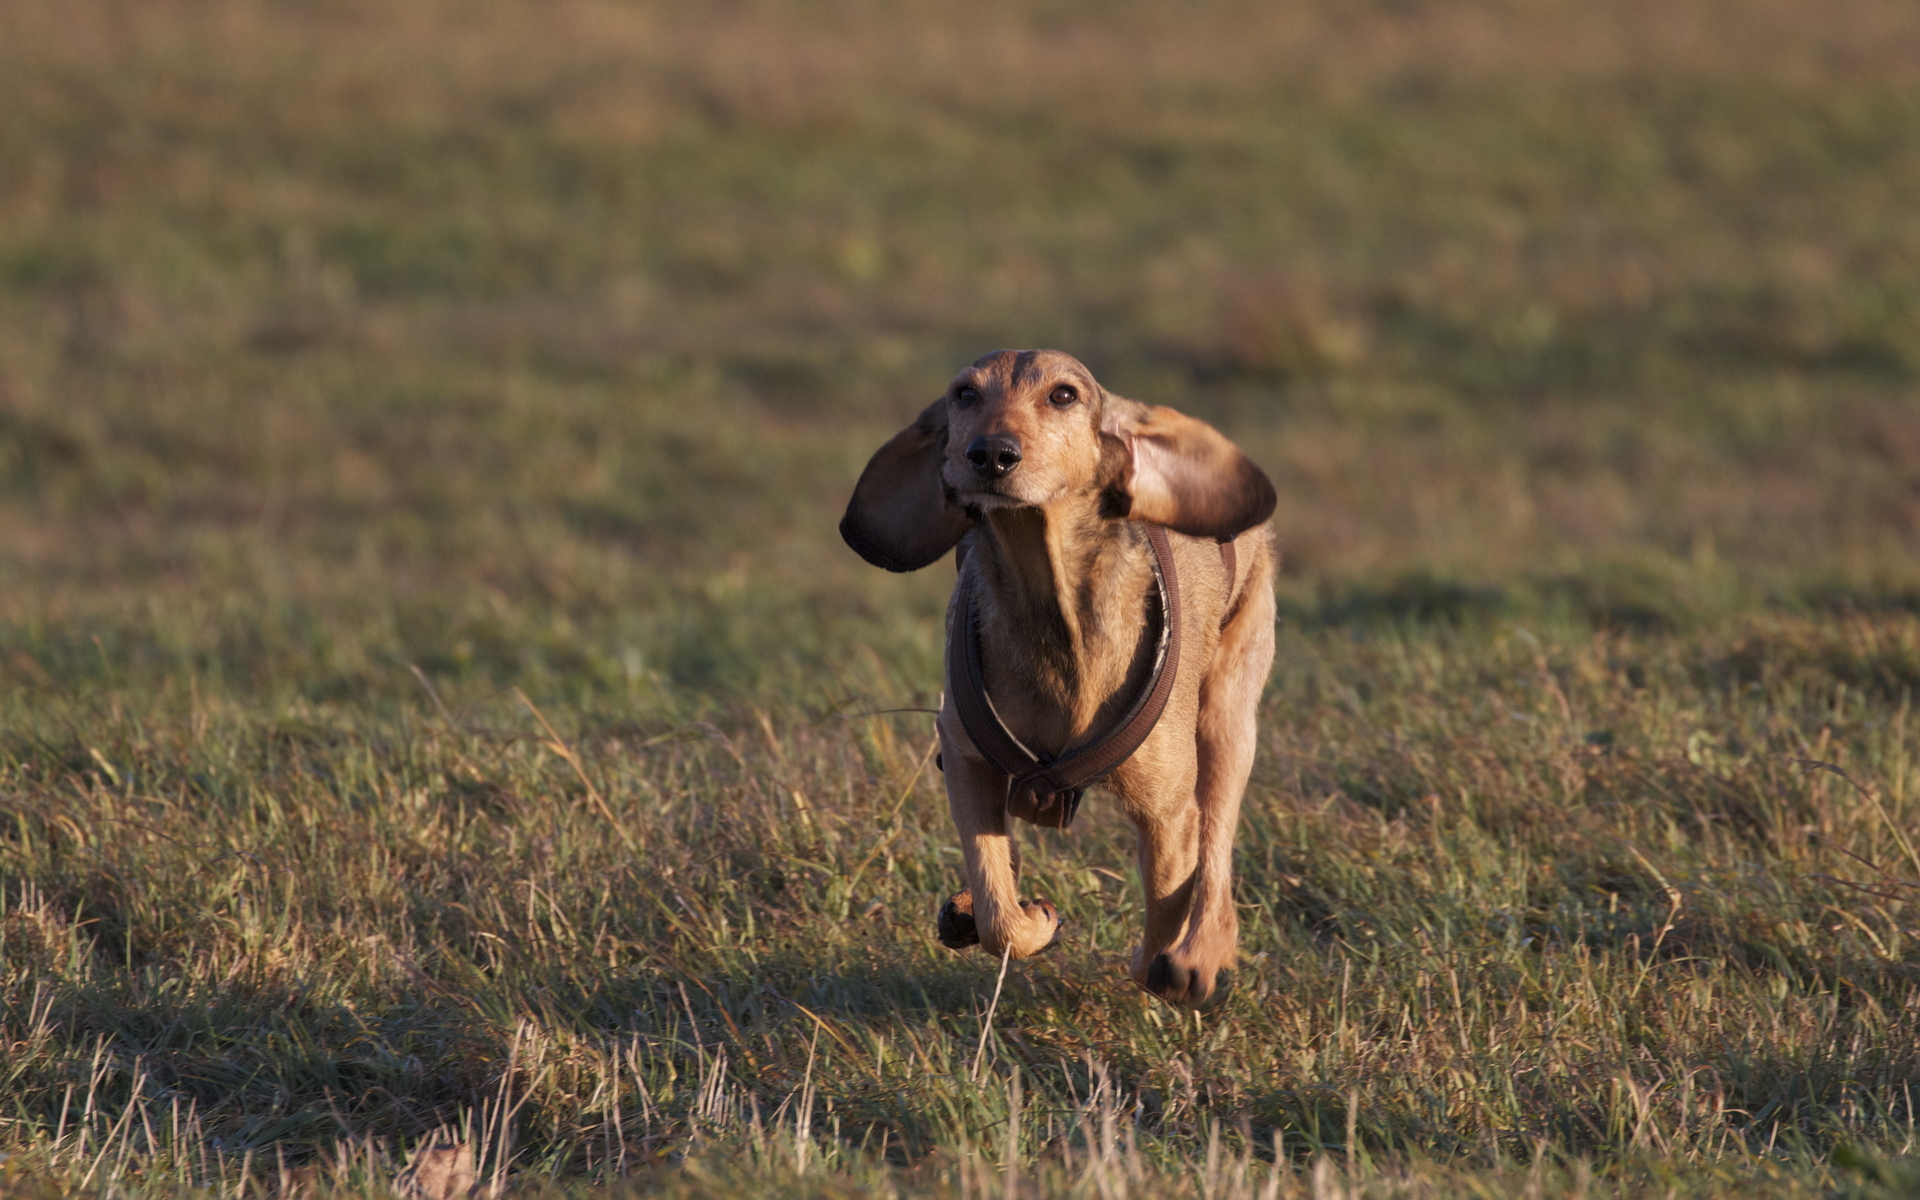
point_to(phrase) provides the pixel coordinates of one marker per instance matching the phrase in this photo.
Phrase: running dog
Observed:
(1112, 621)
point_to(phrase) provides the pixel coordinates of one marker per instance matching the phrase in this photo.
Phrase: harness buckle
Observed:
(1050, 810)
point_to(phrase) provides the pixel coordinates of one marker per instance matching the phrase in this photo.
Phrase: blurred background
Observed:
(540, 344)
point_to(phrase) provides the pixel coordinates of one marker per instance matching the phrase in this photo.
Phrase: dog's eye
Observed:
(966, 396)
(1063, 395)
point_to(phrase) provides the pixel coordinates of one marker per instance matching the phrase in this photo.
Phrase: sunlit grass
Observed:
(437, 709)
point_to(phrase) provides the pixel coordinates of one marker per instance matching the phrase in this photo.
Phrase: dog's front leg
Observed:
(990, 910)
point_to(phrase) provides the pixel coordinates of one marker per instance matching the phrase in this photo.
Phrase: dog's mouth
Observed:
(975, 492)
(987, 498)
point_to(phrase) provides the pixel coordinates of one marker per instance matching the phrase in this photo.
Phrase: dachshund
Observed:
(1098, 539)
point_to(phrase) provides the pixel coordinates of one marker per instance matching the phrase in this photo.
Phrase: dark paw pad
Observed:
(955, 923)
(1186, 987)
(1166, 980)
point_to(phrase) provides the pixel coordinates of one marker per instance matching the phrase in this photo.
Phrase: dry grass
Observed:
(362, 364)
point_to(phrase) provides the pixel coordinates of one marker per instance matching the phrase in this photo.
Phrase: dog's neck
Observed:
(1049, 582)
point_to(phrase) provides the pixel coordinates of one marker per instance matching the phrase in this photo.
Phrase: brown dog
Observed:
(1050, 486)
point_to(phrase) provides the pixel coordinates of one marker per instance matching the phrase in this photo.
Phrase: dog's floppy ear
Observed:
(899, 517)
(1180, 472)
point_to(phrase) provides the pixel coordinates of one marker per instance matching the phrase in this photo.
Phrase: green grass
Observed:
(433, 696)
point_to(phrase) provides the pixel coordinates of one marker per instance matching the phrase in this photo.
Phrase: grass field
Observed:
(436, 709)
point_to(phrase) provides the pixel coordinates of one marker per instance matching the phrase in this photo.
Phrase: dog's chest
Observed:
(1053, 693)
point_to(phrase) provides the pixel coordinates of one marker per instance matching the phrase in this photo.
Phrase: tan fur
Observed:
(1060, 571)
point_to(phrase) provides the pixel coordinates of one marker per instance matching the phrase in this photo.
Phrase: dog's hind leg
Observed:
(1168, 843)
(990, 909)
(1196, 971)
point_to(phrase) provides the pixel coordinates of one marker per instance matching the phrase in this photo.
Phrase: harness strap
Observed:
(1047, 791)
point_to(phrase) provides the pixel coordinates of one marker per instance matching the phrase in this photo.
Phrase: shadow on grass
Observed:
(940, 989)
(1618, 600)
(275, 1068)
(1418, 598)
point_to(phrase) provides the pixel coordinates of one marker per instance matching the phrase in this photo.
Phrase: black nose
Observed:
(993, 457)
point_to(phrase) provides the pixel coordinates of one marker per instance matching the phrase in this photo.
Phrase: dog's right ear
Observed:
(899, 517)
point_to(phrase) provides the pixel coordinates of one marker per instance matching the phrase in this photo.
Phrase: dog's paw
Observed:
(1186, 984)
(958, 930)
(955, 923)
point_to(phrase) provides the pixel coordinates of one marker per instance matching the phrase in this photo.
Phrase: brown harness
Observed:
(1047, 791)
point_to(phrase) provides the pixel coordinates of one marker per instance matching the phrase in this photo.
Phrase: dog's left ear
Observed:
(1170, 469)
(899, 517)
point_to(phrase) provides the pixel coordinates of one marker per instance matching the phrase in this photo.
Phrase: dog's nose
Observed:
(993, 457)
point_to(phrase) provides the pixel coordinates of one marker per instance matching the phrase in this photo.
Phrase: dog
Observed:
(1056, 494)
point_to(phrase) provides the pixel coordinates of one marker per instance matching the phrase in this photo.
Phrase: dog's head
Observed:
(1033, 428)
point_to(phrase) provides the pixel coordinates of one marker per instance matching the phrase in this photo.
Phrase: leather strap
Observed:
(1047, 791)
